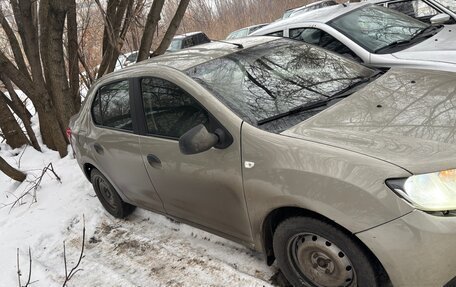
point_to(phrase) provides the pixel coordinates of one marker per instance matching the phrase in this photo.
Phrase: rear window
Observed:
(111, 107)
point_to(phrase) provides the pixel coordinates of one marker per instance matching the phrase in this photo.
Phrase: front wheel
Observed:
(311, 252)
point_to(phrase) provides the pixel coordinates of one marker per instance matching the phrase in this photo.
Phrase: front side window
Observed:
(323, 39)
(188, 42)
(169, 110)
(375, 27)
(176, 44)
(276, 34)
(276, 77)
(111, 107)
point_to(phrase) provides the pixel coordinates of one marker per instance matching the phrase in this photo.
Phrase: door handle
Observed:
(98, 149)
(154, 161)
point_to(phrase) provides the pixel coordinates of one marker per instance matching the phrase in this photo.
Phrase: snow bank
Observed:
(144, 250)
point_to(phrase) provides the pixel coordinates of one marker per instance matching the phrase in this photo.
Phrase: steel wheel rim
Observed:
(320, 262)
(106, 192)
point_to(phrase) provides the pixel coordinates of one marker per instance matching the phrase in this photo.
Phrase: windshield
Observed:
(270, 79)
(449, 4)
(175, 45)
(374, 27)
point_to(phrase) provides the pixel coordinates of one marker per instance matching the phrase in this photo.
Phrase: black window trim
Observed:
(132, 107)
(141, 115)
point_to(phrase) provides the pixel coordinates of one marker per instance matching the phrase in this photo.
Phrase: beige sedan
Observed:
(342, 174)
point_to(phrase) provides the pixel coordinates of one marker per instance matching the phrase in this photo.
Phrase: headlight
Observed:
(428, 192)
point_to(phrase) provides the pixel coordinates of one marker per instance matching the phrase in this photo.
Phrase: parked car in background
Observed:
(430, 11)
(342, 173)
(244, 32)
(126, 59)
(373, 35)
(179, 42)
(188, 40)
(308, 7)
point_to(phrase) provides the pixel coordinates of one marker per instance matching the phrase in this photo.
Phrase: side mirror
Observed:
(440, 19)
(197, 140)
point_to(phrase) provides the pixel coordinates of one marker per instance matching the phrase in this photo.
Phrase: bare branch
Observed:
(75, 269)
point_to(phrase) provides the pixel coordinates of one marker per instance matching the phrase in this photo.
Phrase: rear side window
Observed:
(276, 34)
(111, 107)
(169, 110)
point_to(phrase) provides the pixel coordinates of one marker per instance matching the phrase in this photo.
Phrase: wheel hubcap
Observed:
(321, 262)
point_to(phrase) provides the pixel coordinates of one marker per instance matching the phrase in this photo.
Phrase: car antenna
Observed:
(240, 46)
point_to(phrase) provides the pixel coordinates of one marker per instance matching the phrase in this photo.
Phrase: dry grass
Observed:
(218, 18)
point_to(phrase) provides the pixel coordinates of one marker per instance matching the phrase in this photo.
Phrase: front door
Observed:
(205, 188)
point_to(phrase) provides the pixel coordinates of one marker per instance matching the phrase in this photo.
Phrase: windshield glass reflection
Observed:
(273, 78)
(374, 27)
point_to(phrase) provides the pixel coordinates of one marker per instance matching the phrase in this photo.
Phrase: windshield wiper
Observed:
(355, 86)
(393, 45)
(418, 34)
(424, 31)
(318, 104)
(298, 109)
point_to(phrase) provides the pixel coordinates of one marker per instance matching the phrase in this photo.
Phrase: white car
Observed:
(423, 10)
(308, 7)
(373, 35)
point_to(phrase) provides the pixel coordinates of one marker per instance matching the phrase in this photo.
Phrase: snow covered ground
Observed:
(144, 250)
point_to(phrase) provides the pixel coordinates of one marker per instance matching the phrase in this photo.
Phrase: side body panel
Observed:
(343, 186)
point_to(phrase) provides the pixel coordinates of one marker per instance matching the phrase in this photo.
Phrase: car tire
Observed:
(109, 197)
(311, 252)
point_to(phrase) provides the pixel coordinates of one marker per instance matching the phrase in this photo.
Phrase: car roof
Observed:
(377, 1)
(307, 5)
(249, 27)
(322, 15)
(193, 56)
(182, 36)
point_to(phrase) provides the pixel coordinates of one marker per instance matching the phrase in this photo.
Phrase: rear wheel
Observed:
(109, 197)
(314, 253)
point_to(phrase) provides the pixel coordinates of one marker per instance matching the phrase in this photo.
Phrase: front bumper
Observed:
(417, 249)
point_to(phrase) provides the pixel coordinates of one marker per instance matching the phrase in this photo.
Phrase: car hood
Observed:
(439, 48)
(405, 117)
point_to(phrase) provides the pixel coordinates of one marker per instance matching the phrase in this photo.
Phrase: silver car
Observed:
(373, 35)
(431, 11)
(342, 174)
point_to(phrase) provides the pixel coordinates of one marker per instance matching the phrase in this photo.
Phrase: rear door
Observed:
(115, 146)
(204, 188)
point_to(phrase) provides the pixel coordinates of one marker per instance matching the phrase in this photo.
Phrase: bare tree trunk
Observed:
(72, 48)
(11, 129)
(151, 25)
(20, 110)
(117, 20)
(52, 19)
(173, 26)
(11, 171)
